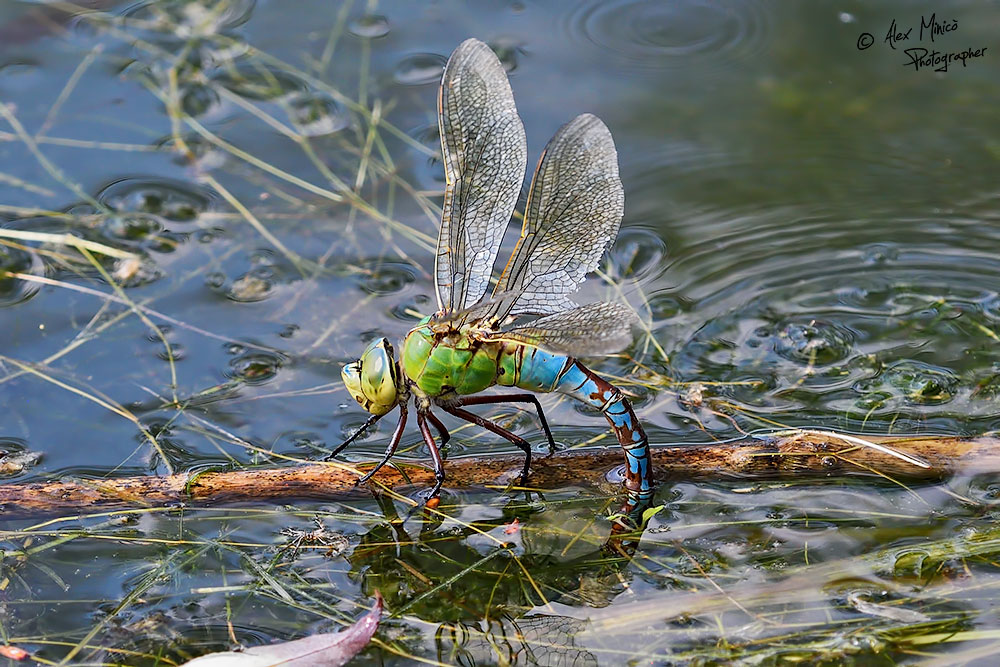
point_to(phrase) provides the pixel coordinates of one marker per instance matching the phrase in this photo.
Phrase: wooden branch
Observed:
(803, 454)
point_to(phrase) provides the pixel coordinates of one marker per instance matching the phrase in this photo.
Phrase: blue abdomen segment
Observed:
(530, 368)
(542, 371)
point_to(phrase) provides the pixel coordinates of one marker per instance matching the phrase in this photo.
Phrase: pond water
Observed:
(811, 237)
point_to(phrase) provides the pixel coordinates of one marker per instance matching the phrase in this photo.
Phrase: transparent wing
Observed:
(573, 213)
(597, 328)
(484, 155)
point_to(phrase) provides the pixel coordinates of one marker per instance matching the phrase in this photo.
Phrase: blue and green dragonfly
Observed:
(475, 341)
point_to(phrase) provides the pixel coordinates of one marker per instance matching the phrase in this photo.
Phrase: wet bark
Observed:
(799, 456)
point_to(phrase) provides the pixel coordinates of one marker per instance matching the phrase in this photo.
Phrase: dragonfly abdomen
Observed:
(529, 367)
(537, 370)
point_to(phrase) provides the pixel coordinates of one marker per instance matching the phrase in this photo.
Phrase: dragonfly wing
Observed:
(485, 155)
(596, 328)
(573, 213)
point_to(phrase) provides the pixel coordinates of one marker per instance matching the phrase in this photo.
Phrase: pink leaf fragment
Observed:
(332, 649)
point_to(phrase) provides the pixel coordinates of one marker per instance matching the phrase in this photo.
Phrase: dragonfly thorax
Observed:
(441, 360)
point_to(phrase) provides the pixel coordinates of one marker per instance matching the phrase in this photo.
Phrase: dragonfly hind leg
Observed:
(522, 444)
(512, 398)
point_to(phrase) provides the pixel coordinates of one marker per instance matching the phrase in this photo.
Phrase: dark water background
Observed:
(811, 230)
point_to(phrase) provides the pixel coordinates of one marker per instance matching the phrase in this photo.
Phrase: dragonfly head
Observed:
(373, 380)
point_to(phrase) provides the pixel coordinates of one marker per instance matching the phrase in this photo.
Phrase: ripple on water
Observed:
(428, 170)
(255, 367)
(249, 287)
(420, 69)
(384, 278)
(831, 320)
(813, 342)
(186, 20)
(638, 253)
(175, 201)
(15, 260)
(652, 34)
(317, 114)
(371, 26)
(205, 155)
(509, 51)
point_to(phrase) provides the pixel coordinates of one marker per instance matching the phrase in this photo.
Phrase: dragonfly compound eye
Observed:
(376, 379)
(351, 374)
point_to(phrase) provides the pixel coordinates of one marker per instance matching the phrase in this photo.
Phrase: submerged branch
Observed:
(798, 455)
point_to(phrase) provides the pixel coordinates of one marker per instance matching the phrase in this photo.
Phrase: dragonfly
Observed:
(477, 340)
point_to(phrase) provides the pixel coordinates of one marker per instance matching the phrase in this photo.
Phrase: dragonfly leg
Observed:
(522, 444)
(393, 443)
(435, 454)
(364, 427)
(513, 398)
(442, 431)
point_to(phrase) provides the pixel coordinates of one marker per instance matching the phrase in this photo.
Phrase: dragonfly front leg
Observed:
(364, 427)
(393, 444)
(512, 398)
(522, 444)
(432, 446)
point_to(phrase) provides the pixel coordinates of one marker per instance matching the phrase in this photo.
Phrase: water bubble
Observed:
(215, 279)
(371, 26)
(638, 253)
(388, 278)
(317, 114)
(921, 383)
(664, 305)
(183, 21)
(198, 152)
(15, 260)
(175, 353)
(131, 227)
(255, 367)
(135, 271)
(429, 172)
(846, 17)
(419, 69)
(249, 288)
(198, 100)
(509, 52)
(175, 201)
(814, 342)
(411, 311)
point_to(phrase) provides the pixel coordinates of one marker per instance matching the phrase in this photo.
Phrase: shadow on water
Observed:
(811, 238)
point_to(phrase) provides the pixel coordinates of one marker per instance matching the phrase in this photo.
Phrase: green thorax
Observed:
(442, 360)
